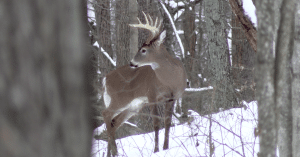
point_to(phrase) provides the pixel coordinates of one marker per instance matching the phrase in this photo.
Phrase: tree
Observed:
(219, 64)
(44, 79)
(122, 30)
(284, 50)
(295, 84)
(243, 55)
(264, 77)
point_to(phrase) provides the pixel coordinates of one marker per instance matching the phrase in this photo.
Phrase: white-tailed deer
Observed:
(153, 76)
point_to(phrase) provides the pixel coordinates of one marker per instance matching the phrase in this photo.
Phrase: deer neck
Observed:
(166, 70)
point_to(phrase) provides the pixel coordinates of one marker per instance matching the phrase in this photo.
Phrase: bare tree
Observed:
(296, 85)
(122, 31)
(264, 76)
(284, 50)
(44, 87)
(103, 34)
(243, 55)
(219, 64)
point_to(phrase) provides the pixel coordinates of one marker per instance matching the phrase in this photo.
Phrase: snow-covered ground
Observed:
(232, 135)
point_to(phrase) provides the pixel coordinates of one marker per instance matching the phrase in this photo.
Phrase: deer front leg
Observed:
(168, 118)
(156, 123)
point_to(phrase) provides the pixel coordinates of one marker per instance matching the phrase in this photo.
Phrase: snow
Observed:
(232, 135)
(91, 12)
(198, 89)
(250, 10)
(108, 57)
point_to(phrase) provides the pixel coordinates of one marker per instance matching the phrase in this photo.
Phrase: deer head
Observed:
(151, 49)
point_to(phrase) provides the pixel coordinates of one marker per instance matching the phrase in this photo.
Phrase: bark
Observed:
(190, 45)
(296, 85)
(264, 77)
(103, 36)
(284, 49)
(223, 96)
(246, 24)
(243, 58)
(122, 31)
(134, 33)
(170, 33)
(44, 83)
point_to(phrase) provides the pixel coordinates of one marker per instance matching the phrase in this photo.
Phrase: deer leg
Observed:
(114, 124)
(156, 123)
(111, 128)
(168, 118)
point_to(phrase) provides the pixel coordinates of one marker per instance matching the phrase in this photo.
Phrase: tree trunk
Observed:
(103, 36)
(284, 50)
(296, 85)
(44, 88)
(122, 31)
(246, 24)
(243, 58)
(264, 69)
(134, 33)
(223, 95)
(190, 45)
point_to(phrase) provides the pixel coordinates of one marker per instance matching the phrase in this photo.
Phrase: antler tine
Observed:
(160, 22)
(155, 24)
(147, 22)
(151, 21)
(138, 20)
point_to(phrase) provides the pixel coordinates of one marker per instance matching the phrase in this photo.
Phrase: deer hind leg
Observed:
(168, 118)
(156, 123)
(111, 128)
(113, 125)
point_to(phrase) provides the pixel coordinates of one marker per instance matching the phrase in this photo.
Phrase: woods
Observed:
(54, 56)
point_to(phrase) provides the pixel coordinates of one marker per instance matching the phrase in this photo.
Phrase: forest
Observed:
(242, 96)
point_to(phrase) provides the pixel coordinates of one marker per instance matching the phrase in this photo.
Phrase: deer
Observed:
(153, 76)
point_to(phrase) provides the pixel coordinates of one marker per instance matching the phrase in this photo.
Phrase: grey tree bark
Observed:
(243, 58)
(44, 83)
(103, 34)
(296, 85)
(190, 44)
(122, 31)
(134, 33)
(219, 65)
(264, 78)
(284, 50)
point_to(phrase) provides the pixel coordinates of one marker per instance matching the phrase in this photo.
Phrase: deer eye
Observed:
(143, 50)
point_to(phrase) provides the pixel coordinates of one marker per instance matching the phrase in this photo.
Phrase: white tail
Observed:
(153, 76)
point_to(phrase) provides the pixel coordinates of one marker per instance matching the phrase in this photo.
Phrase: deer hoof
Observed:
(156, 149)
(166, 146)
(114, 152)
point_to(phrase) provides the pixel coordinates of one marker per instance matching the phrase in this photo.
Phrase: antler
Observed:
(153, 28)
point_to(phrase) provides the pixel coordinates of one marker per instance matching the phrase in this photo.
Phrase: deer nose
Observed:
(132, 65)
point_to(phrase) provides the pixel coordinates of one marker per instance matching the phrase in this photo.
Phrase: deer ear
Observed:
(161, 38)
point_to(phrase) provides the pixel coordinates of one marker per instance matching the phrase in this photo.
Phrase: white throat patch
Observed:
(153, 65)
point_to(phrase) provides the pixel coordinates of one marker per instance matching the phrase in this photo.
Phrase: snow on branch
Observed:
(109, 58)
(198, 89)
(174, 28)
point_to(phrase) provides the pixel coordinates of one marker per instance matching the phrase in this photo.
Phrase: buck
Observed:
(152, 77)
